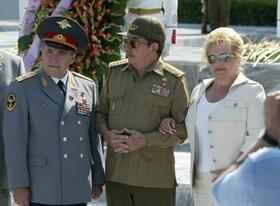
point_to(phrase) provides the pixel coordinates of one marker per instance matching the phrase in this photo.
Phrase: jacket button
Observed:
(81, 155)
(209, 117)
(209, 131)
(79, 122)
(214, 161)
(65, 139)
(235, 104)
(81, 139)
(62, 123)
(65, 156)
(211, 146)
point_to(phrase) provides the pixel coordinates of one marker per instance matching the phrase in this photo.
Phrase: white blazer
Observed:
(234, 125)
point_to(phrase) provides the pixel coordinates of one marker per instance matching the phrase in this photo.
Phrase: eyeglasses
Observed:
(132, 43)
(221, 58)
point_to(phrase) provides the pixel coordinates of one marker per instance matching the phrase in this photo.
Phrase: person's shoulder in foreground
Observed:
(256, 182)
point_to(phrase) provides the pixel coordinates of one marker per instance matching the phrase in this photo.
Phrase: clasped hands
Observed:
(125, 140)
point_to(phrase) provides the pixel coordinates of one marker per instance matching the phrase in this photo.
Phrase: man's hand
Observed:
(167, 126)
(96, 191)
(272, 115)
(21, 196)
(135, 141)
(116, 139)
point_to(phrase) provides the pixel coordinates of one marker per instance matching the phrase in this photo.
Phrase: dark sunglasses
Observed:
(132, 43)
(221, 58)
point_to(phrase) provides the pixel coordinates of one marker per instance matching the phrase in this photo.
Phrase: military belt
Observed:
(144, 11)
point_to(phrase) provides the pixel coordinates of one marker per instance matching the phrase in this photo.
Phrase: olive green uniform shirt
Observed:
(140, 103)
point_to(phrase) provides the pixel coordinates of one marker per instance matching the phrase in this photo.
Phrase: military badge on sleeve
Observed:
(11, 102)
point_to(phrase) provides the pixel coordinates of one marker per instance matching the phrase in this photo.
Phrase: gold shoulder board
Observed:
(118, 63)
(176, 72)
(26, 76)
(82, 76)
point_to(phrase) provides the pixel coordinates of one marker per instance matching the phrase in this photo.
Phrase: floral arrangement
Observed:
(265, 51)
(101, 20)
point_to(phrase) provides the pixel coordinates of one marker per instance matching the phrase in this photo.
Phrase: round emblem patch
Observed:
(11, 102)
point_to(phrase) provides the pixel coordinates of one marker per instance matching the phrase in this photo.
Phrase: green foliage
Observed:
(242, 12)
(101, 20)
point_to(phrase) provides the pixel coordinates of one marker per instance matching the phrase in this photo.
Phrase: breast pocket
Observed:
(157, 106)
(235, 110)
(116, 99)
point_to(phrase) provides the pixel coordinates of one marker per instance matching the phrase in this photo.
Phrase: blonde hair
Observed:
(225, 35)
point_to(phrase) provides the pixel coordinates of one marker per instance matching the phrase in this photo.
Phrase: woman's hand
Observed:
(167, 126)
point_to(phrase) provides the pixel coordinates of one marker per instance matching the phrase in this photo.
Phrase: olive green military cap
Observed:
(146, 26)
(63, 33)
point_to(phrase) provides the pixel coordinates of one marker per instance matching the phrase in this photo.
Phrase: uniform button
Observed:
(62, 123)
(209, 131)
(65, 139)
(235, 104)
(214, 161)
(211, 146)
(81, 139)
(81, 155)
(79, 122)
(65, 156)
(210, 117)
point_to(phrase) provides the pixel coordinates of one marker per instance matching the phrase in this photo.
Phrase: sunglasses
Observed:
(133, 44)
(221, 58)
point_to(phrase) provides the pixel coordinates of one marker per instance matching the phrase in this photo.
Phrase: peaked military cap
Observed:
(146, 26)
(63, 33)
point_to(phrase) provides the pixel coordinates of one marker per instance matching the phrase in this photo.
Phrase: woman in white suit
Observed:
(225, 114)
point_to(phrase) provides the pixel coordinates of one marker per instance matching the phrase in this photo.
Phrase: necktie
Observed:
(61, 87)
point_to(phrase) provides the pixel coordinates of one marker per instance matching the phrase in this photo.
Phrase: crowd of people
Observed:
(52, 120)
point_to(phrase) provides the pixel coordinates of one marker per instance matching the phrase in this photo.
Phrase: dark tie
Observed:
(60, 84)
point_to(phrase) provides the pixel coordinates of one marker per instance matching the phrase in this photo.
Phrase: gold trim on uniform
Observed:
(118, 63)
(173, 70)
(26, 76)
(11, 102)
(44, 81)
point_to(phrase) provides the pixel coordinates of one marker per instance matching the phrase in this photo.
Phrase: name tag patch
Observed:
(160, 90)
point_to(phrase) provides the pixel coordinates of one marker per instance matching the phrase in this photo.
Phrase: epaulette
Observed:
(173, 70)
(82, 76)
(118, 63)
(25, 76)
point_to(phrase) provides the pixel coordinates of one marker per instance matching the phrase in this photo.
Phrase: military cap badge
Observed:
(11, 102)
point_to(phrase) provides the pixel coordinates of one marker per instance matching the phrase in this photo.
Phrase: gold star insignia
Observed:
(64, 24)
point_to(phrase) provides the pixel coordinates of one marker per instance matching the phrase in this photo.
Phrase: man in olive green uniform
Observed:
(139, 92)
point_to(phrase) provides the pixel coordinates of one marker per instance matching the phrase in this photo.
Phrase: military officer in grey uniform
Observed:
(139, 92)
(49, 132)
(11, 66)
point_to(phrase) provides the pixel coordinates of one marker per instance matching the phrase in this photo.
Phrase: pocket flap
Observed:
(234, 103)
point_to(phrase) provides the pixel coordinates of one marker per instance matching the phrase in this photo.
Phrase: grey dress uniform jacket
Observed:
(50, 140)
(11, 66)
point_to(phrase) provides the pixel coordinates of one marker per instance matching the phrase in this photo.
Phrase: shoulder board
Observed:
(25, 76)
(82, 76)
(118, 63)
(176, 72)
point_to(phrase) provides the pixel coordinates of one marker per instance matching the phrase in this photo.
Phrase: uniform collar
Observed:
(63, 79)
